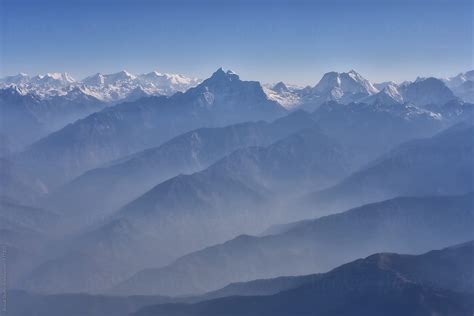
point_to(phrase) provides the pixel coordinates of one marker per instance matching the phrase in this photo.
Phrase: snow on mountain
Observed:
(126, 86)
(17, 80)
(122, 77)
(421, 93)
(391, 90)
(164, 81)
(31, 117)
(284, 95)
(128, 127)
(389, 95)
(339, 84)
(51, 83)
(41, 85)
(462, 85)
(426, 91)
(348, 87)
(105, 87)
(343, 88)
(459, 79)
(381, 85)
(54, 78)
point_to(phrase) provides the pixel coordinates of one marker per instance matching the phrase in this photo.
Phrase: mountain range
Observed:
(105, 87)
(123, 191)
(223, 99)
(408, 225)
(342, 87)
(348, 87)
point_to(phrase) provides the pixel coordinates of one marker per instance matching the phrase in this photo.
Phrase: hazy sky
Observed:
(294, 41)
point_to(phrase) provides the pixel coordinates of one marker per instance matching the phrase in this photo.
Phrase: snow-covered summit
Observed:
(462, 85)
(284, 94)
(346, 82)
(51, 81)
(459, 79)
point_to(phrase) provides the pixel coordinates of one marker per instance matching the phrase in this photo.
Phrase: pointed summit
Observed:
(220, 74)
(94, 80)
(280, 87)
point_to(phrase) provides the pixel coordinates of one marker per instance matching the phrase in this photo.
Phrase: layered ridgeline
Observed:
(26, 117)
(448, 270)
(105, 189)
(132, 126)
(369, 131)
(109, 186)
(441, 164)
(435, 283)
(409, 225)
(239, 193)
(163, 176)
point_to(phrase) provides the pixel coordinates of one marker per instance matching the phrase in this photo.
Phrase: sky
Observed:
(294, 41)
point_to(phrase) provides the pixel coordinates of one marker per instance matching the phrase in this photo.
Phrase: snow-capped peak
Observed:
(280, 87)
(458, 80)
(391, 90)
(60, 76)
(282, 94)
(124, 75)
(339, 84)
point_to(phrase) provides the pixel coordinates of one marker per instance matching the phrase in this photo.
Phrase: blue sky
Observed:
(294, 41)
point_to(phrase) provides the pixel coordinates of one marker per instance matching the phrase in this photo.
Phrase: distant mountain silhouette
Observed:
(382, 284)
(441, 164)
